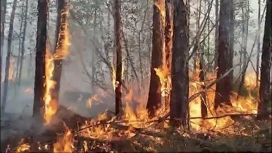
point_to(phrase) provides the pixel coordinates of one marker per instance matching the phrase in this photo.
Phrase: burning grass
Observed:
(244, 135)
(70, 132)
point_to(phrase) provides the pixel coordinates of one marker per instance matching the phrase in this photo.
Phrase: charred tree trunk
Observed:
(259, 44)
(179, 106)
(158, 46)
(5, 90)
(60, 48)
(169, 7)
(118, 47)
(225, 55)
(201, 79)
(264, 92)
(23, 43)
(39, 87)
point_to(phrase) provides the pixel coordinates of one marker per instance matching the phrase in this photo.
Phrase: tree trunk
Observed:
(169, 6)
(179, 106)
(60, 48)
(94, 54)
(245, 19)
(20, 47)
(259, 44)
(5, 90)
(216, 33)
(158, 46)
(225, 55)
(202, 79)
(23, 43)
(2, 36)
(264, 92)
(118, 47)
(39, 85)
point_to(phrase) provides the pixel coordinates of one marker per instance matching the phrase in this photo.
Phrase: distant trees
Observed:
(23, 42)
(10, 33)
(179, 105)
(225, 53)
(39, 85)
(2, 28)
(265, 91)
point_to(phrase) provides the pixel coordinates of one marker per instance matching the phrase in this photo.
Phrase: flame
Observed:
(23, 147)
(241, 105)
(165, 80)
(64, 143)
(11, 70)
(51, 105)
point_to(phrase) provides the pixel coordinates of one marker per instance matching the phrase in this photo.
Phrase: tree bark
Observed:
(225, 55)
(60, 48)
(158, 46)
(23, 43)
(118, 48)
(169, 7)
(5, 90)
(264, 92)
(179, 105)
(39, 85)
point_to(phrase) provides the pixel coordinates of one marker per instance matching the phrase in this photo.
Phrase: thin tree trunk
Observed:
(118, 47)
(2, 36)
(216, 33)
(20, 46)
(179, 105)
(5, 90)
(39, 85)
(264, 92)
(158, 46)
(225, 55)
(259, 44)
(60, 48)
(168, 43)
(23, 43)
(202, 79)
(93, 53)
(244, 46)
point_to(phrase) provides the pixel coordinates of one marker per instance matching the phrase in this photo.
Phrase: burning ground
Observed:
(70, 131)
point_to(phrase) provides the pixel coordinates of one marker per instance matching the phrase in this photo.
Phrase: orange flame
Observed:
(51, 105)
(64, 143)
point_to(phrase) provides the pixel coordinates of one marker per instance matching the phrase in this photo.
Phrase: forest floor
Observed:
(246, 134)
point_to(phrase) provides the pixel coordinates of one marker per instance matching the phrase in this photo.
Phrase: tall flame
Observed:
(64, 143)
(51, 105)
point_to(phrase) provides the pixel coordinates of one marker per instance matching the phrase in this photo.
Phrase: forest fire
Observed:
(51, 105)
(180, 102)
